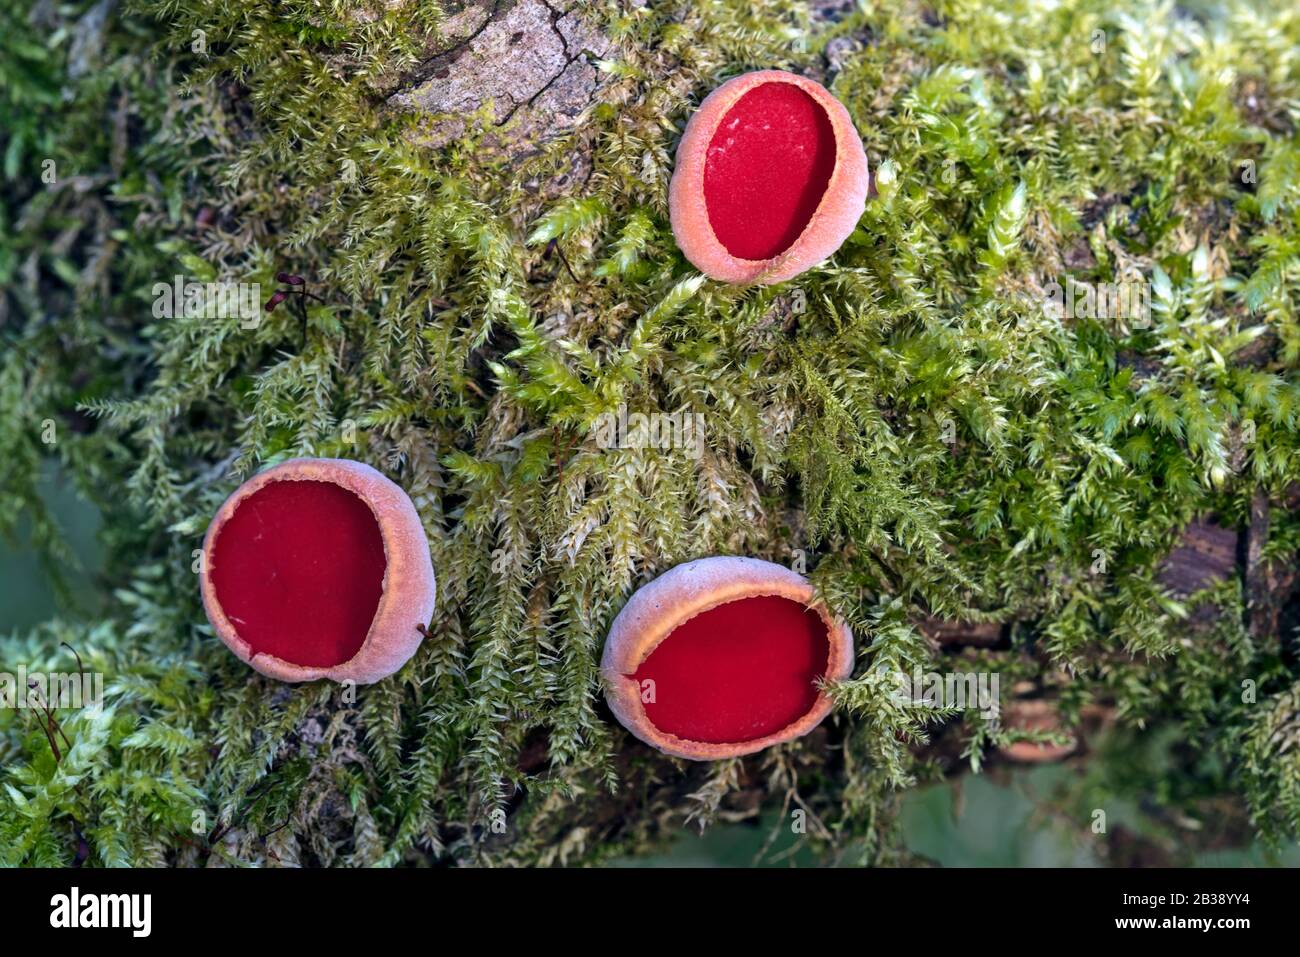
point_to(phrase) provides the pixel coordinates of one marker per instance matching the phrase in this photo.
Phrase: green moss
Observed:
(907, 415)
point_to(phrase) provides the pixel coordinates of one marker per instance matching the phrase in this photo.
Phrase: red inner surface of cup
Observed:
(298, 570)
(737, 672)
(766, 169)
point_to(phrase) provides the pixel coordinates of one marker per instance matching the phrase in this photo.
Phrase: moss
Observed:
(908, 417)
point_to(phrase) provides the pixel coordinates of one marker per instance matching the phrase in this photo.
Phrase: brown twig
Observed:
(554, 247)
(565, 452)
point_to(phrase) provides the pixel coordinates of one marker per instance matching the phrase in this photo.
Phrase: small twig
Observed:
(80, 667)
(278, 827)
(301, 305)
(565, 452)
(221, 830)
(297, 288)
(50, 725)
(554, 247)
(58, 756)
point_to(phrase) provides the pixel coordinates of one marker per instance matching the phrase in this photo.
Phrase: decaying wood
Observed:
(1035, 715)
(1205, 555)
(985, 634)
(1270, 585)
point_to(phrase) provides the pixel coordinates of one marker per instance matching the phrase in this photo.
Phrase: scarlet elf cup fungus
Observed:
(318, 568)
(771, 178)
(720, 657)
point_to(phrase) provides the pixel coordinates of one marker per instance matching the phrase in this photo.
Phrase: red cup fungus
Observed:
(318, 568)
(771, 178)
(720, 657)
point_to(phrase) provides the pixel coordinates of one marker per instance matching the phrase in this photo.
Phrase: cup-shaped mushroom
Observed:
(318, 568)
(771, 178)
(722, 657)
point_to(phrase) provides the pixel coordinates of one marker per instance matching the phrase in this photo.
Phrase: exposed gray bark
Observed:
(530, 63)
